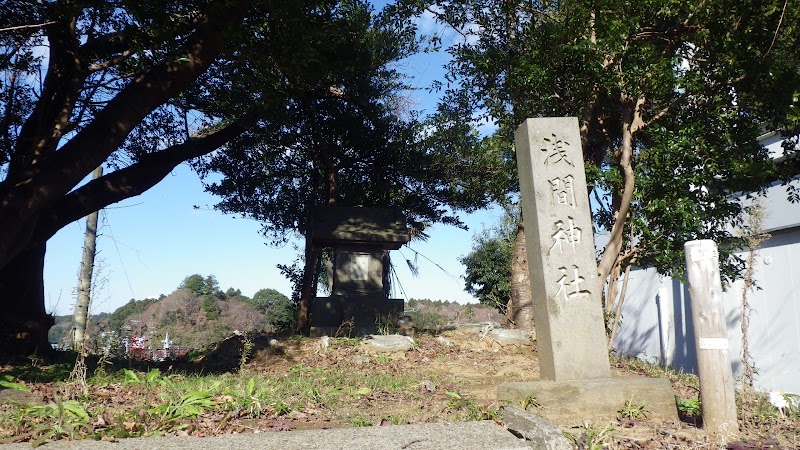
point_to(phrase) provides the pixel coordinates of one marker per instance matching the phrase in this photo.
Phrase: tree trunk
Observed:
(308, 288)
(520, 309)
(24, 323)
(81, 314)
(631, 123)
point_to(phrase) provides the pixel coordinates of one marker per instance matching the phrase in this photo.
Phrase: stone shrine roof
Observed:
(341, 225)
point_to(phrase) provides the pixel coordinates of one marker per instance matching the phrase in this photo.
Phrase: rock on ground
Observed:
(538, 432)
(389, 343)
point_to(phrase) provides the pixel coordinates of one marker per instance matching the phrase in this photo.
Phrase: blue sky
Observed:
(148, 244)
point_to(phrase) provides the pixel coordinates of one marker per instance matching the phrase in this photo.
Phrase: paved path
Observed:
(438, 436)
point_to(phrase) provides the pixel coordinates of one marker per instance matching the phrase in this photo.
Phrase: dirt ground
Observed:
(474, 367)
(452, 376)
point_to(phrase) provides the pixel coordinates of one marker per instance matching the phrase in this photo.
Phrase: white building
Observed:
(657, 323)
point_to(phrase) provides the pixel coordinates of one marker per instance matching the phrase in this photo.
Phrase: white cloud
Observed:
(427, 23)
(471, 33)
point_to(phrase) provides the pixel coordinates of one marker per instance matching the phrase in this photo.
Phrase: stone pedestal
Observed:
(353, 315)
(572, 402)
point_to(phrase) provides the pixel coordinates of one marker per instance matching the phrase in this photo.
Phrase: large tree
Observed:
(340, 136)
(138, 87)
(670, 96)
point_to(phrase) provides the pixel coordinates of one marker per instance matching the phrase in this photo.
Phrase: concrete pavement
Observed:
(436, 436)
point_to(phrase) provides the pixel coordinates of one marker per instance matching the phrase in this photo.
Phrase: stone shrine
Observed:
(360, 239)
(575, 376)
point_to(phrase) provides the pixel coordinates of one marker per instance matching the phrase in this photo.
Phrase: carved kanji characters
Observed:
(556, 150)
(569, 235)
(570, 289)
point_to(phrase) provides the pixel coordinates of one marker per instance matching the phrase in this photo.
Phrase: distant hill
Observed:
(191, 319)
(196, 320)
(438, 314)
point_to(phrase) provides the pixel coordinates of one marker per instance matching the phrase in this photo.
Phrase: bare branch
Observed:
(775, 36)
(27, 27)
(111, 62)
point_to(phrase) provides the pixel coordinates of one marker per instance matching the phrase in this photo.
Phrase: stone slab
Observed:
(566, 290)
(358, 273)
(388, 343)
(600, 399)
(437, 436)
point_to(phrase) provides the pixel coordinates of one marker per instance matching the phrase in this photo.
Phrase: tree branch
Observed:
(777, 29)
(132, 180)
(27, 27)
(111, 61)
(45, 182)
(663, 112)
(109, 44)
(46, 124)
(631, 114)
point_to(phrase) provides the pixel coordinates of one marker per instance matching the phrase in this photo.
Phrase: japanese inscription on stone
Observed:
(558, 229)
(563, 191)
(566, 233)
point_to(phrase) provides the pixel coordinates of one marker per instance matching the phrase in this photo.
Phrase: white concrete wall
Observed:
(656, 323)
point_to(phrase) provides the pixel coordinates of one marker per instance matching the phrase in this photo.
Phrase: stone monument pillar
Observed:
(567, 309)
(575, 376)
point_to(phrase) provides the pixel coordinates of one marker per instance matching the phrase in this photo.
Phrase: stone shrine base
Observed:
(572, 402)
(350, 316)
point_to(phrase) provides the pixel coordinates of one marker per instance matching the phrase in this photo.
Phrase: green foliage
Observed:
(151, 379)
(281, 313)
(633, 411)
(793, 405)
(488, 268)
(471, 409)
(176, 62)
(693, 83)
(382, 358)
(591, 437)
(210, 307)
(34, 372)
(235, 294)
(194, 283)
(359, 421)
(689, 408)
(208, 286)
(264, 299)
(336, 131)
(121, 315)
(220, 332)
(247, 352)
(188, 406)
(427, 320)
(62, 419)
(488, 265)
(7, 382)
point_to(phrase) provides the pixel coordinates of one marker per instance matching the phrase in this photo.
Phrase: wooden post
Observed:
(711, 338)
